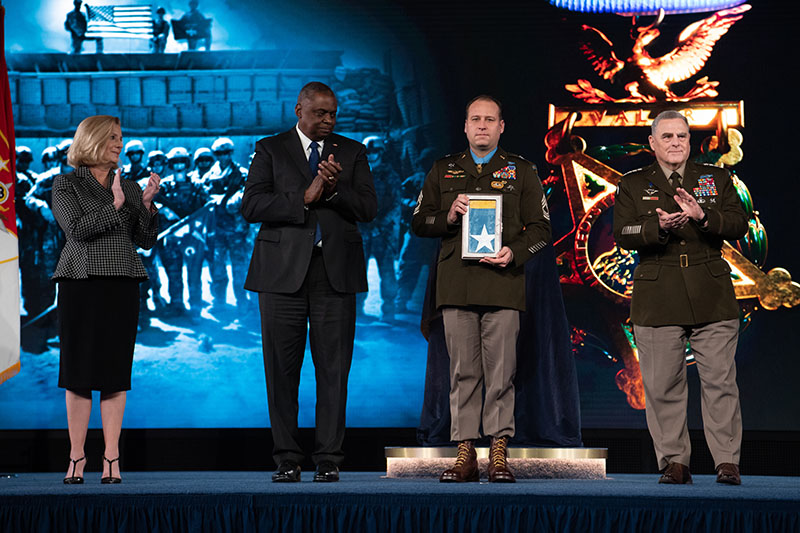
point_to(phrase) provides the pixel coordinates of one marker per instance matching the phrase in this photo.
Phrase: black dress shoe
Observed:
(326, 472)
(287, 472)
(73, 479)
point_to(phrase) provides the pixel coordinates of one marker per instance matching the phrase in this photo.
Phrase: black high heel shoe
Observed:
(110, 479)
(73, 479)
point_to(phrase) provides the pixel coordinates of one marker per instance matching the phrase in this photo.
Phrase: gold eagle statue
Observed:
(647, 78)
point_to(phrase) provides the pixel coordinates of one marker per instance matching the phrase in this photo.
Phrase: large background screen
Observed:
(403, 72)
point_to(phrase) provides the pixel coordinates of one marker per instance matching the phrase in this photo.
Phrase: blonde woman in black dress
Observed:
(105, 219)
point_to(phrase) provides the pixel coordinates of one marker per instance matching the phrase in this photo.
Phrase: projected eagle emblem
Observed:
(647, 78)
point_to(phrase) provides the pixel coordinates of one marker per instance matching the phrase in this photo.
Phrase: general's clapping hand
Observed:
(669, 221)
(688, 204)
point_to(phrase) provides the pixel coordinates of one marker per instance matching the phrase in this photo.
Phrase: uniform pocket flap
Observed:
(269, 235)
(456, 185)
(718, 268)
(647, 272)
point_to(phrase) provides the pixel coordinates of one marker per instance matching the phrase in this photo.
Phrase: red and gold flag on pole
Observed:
(9, 245)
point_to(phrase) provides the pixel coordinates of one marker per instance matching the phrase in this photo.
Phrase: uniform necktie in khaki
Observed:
(675, 179)
(479, 166)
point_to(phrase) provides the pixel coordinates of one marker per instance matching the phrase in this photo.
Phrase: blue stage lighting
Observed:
(645, 7)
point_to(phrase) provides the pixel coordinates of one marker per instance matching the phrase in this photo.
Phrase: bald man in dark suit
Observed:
(308, 188)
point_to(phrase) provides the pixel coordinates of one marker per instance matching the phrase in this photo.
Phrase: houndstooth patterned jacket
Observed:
(101, 241)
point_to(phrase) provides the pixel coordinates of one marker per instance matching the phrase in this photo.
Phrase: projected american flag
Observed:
(127, 22)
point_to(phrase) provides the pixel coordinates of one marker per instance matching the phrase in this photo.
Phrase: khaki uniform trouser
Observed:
(482, 343)
(662, 361)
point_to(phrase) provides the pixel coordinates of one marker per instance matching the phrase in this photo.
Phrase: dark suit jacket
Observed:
(681, 278)
(273, 196)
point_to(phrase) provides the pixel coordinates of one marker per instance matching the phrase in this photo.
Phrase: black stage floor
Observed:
(366, 501)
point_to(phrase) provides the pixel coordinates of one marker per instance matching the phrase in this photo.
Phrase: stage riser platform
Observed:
(521, 468)
(525, 463)
(249, 502)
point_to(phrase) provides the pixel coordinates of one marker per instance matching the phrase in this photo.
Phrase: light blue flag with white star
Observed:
(482, 231)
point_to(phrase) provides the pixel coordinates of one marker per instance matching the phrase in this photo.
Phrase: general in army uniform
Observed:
(481, 299)
(682, 291)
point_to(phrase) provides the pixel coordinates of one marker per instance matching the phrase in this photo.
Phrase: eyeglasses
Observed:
(223, 152)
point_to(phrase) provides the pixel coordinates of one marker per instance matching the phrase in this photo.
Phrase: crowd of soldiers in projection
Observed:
(201, 227)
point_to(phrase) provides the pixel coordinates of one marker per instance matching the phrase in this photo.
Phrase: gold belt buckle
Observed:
(684, 260)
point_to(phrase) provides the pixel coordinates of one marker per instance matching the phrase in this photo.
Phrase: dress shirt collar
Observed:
(680, 170)
(306, 142)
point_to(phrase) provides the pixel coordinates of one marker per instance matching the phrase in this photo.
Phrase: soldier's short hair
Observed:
(487, 98)
(314, 87)
(666, 115)
(90, 140)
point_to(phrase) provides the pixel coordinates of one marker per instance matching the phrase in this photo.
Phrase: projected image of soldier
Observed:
(135, 169)
(44, 240)
(157, 163)
(76, 26)
(25, 223)
(225, 178)
(381, 235)
(54, 158)
(416, 253)
(158, 42)
(25, 177)
(61, 154)
(185, 239)
(49, 158)
(193, 27)
(203, 161)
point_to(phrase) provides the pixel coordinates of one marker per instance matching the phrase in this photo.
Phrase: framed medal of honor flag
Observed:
(482, 226)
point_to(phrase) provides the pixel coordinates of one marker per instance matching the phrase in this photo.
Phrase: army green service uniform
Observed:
(682, 291)
(481, 302)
